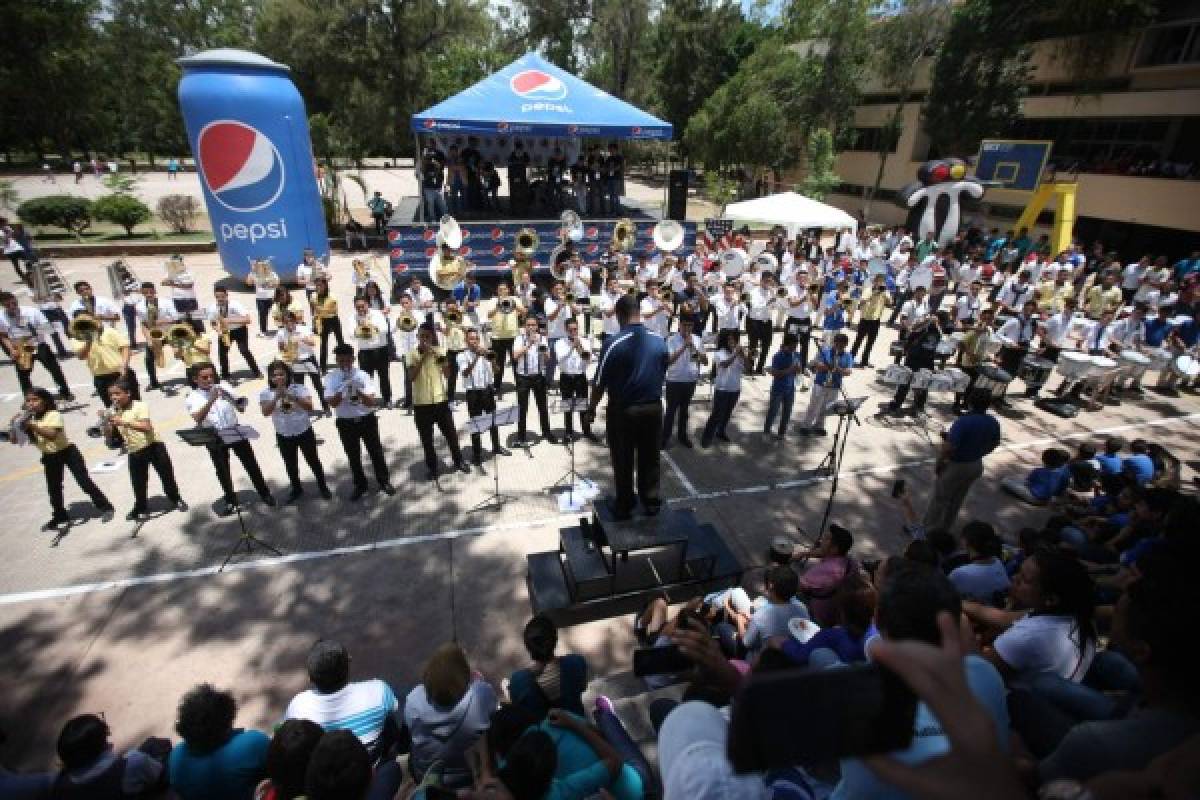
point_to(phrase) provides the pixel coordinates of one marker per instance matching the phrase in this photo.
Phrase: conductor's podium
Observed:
(602, 560)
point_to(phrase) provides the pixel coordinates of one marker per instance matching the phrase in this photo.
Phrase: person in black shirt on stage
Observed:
(473, 164)
(433, 178)
(556, 170)
(614, 177)
(632, 369)
(518, 177)
(920, 350)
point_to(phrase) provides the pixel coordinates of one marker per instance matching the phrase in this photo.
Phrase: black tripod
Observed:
(204, 437)
(846, 410)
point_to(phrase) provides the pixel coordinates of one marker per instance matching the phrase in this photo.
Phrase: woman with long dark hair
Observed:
(288, 403)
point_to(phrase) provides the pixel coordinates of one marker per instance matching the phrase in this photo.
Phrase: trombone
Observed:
(406, 322)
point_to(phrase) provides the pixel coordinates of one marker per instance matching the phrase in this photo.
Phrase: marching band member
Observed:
(834, 318)
(198, 351)
(212, 405)
(377, 302)
(231, 322)
(429, 367)
(558, 311)
(456, 342)
(801, 308)
(289, 404)
(831, 366)
(504, 321)
(468, 295)
(759, 329)
(307, 272)
(43, 424)
(524, 288)
(28, 328)
(1056, 330)
(264, 283)
(1129, 334)
(422, 299)
(351, 392)
(872, 305)
(52, 310)
(406, 342)
(574, 355)
(1103, 297)
(1054, 291)
(360, 276)
(579, 283)
(326, 322)
(1016, 336)
(685, 357)
(730, 311)
(920, 352)
(530, 352)
(610, 327)
(282, 304)
(693, 301)
(968, 306)
(730, 363)
(783, 370)
(475, 366)
(972, 354)
(371, 334)
(1015, 294)
(106, 354)
(656, 315)
(295, 343)
(131, 419)
(100, 308)
(913, 313)
(183, 294)
(154, 314)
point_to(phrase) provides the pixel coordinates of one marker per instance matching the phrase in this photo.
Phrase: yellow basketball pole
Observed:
(1064, 212)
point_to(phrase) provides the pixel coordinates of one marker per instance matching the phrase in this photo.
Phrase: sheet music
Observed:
(237, 433)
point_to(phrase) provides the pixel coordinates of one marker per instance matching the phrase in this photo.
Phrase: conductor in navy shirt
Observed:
(633, 366)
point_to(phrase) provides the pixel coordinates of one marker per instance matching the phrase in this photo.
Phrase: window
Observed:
(1169, 45)
(871, 140)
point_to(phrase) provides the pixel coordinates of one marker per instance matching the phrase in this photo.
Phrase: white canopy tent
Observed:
(791, 210)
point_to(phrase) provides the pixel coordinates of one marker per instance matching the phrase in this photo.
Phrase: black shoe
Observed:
(552, 439)
(269, 499)
(463, 468)
(133, 515)
(230, 507)
(705, 443)
(358, 494)
(504, 451)
(591, 437)
(387, 489)
(294, 495)
(325, 493)
(180, 505)
(665, 444)
(477, 460)
(56, 521)
(820, 432)
(686, 442)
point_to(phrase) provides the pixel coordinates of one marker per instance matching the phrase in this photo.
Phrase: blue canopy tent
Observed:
(532, 97)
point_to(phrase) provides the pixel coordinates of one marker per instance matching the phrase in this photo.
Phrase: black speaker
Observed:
(677, 189)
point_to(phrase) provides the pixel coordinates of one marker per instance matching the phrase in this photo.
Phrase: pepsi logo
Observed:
(430, 124)
(393, 235)
(466, 233)
(592, 232)
(572, 130)
(497, 234)
(498, 250)
(241, 166)
(429, 251)
(534, 84)
(592, 248)
(464, 251)
(400, 268)
(636, 131)
(501, 126)
(397, 252)
(427, 234)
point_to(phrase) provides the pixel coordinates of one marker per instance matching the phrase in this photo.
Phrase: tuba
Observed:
(668, 236)
(290, 351)
(572, 227)
(560, 256)
(181, 337)
(733, 262)
(447, 269)
(527, 243)
(361, 270)
(623, 235)
(364, 330)
(452, 316)
(264, 276)
(84, 327)
(26, 350)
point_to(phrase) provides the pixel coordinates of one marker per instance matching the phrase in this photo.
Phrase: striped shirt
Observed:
(361, 708)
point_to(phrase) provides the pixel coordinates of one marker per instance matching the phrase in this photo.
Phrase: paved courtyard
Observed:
(123, 619)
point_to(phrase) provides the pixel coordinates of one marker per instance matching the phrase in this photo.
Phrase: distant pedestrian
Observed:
(77, 168)
(113, 167)
(96, 168)
(172, 168)
(48, 173)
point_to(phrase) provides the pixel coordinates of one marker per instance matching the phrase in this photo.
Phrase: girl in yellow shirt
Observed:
(131, 418)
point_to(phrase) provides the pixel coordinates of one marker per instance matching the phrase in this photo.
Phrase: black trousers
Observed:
(47, 359)
(919, 396)
(263, 304)
(305, 443)
(572, 387)
(482, 401)
(154, 455)
(427, 417)
(537, 385)
(188, 304)
(219, 455)
(452, 381)
(151, 367)
(760, 333)
(868, 331)
(679, 396)
(241, 338)
(902, 297)
(503, 349)
(329, 327)
(355, 431)
(633, 444)
(374, 361)
(53, 315)
(379, 220)
(960, 399)
(71, 459)
(803, 334)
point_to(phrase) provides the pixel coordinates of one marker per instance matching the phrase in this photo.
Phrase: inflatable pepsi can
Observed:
(249, 134)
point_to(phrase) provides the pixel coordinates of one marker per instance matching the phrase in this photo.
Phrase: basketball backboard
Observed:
(1012, 163)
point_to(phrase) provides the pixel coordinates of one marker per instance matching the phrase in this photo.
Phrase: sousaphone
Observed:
(447, 269)
(733, 262)
(624, 233)
(668, 236)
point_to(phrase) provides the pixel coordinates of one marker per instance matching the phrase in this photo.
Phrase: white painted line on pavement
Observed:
(683, 479)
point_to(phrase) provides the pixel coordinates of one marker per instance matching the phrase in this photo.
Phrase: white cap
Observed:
(691, 754)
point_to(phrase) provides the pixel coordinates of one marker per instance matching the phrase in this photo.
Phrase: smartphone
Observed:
(781, 719)
(665, 660)
(898, 488)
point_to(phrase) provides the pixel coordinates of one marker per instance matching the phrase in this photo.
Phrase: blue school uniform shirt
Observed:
(835, 319)
(1045, 483)
(785, 384)
(1156, 331)
(1109, 464)
(845, 361)
(1140, 466)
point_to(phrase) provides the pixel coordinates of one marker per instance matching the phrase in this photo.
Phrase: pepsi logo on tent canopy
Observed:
(533, 84)
(241, 166)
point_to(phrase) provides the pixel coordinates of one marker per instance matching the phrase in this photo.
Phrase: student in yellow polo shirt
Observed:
(429, 367)
(106, 354)
(872, 305)
(131, 418)
(43, 424)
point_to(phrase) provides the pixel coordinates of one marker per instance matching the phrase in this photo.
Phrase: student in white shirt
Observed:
(264, 283)
(475, 367)
(1132, 277)
(373, 356)
(759, 329)
(608, 311)
(289, 404)
(557, 311)
(422, 300)
(1015, 294)
(730, 363)
(405, 342)
(968, 306)
(28, 326)
(352, 394)
(212, 406)
(297, 348)
(183, 294)
(98, 307)
(656, 315)
(573, 355)
(307, 272)
(685, 357)
(730, 310)
(235, 318)
(153, 313)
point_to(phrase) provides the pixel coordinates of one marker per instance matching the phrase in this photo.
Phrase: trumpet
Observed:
(631, 291)
(666, 294)
(781, 293)
(505, 305)
(286, 402)
(18, 431)
(569, 298)
(240, 403)
(365, 330)
(745, 298)
(406, 322)
(452, 316)
(157, 339)
(349, 388)
(26, 350)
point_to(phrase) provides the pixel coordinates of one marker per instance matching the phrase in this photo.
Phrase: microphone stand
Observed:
(837, 451)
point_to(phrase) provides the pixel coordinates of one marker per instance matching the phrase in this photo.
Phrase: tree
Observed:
(902, 43)
(121, 209)
(979, 77)
(179, 211)
(820, 179)
(73, 214)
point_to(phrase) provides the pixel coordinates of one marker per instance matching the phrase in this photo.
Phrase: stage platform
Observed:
(408, 210)
(603, 564)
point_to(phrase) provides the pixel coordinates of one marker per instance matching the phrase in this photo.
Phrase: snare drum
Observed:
(992, 379)
(1185, 368)
(922, 378)
(943, 381)
(897, 375)
(1073, 366)
(1134, 364)
(1101, 367)
(1035, 372)
(947, 346)
(1160, 359)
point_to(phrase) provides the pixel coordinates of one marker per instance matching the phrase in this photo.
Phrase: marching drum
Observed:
(922, 379)
(1134, 365)
(1073, 366)
(897, 375)
(1185, 368)
(947, 345)
(948, 380)
(1160, 359)
(1101, 367)
(993, 379)
(1035, 372)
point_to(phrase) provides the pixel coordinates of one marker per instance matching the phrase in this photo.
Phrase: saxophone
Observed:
(291, 350)
(223, 326)
(157, 336)
(25, 350)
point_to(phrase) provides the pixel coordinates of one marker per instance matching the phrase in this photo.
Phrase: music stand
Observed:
(203, 437)
(480, 425)
(568, 480)
(846, 410)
